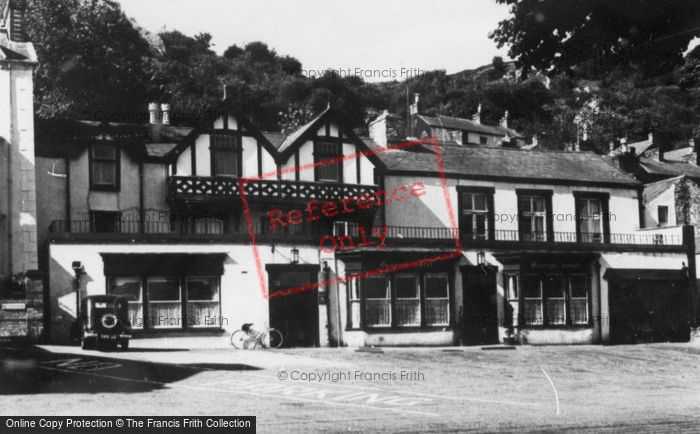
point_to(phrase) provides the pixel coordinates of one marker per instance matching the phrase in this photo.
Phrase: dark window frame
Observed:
(661, 221)
(549, 214)
(321, 155)
(393, 327)
(236, 148)
(116, 186)
(489, 192)
(604, 199)
(518, 321)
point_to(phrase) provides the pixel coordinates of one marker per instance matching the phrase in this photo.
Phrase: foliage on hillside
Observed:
(94, 60)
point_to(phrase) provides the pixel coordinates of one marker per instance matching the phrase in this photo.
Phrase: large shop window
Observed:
(476, 208)
(400, 300)
(331, 172)
(104, 167)
(547, 300)
(167, 291)
(225, 155)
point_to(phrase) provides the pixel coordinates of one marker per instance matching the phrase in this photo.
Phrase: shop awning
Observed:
(163, 264)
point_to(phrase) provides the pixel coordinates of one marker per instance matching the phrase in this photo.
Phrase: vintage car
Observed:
(104, 321)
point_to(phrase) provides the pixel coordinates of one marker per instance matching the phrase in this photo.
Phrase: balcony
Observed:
(217, 189)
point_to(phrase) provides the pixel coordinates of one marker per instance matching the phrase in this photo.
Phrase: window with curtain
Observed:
(332, 171)
(407, 299)
(130, 288)
(104, 167)
(354, 303)
(530, 285)
(164, 302)
(208, 225)
(533, 217)
(512, 300)
(555, 293)
(224, 155)
(475, 211)
(202, 301)
(578, 296)
(377, 294)
(590, 220)
(437, 299)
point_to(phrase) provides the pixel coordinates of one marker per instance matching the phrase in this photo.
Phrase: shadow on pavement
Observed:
(32, 370)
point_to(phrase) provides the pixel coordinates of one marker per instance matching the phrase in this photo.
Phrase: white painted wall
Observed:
(432, 209)
(203, 155)
(241, 292)
(668, 199)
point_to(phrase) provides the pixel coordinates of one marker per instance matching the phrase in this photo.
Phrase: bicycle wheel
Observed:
(240, 340)
(274, 339)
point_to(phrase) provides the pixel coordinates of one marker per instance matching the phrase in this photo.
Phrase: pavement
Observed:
(644, 388)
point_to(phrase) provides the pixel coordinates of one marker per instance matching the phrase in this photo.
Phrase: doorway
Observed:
(295, 314)
(480, 311)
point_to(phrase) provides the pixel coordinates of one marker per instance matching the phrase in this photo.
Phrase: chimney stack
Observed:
(153, 113)
(165, 109)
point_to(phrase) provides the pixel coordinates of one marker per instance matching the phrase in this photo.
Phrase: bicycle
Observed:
(247, 338)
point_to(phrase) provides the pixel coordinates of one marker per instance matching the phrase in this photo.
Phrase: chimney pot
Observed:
(165, 108)
(153, 113)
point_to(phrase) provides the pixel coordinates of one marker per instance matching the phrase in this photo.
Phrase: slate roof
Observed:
(654, 189)
(68, 138)
(290, 139)
(275, 138)
(669, 168)
(465, 124)
(508, 163)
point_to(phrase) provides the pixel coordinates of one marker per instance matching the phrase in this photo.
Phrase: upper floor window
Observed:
(104, 167)
(225, 155)
(476, 205)
(662, 212)
(483, 140)
(534, 211)
(592, 225)
(329, 171)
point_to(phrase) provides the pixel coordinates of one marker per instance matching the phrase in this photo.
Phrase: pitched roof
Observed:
(299, 132)
(669, 168)
(275, 138)
(654, 189)
(508, 163)
(468, 125)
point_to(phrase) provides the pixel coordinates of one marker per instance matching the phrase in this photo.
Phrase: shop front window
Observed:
(511, 288)
(437, 301)
(130, 288)
(164, 305)
(354, 303)
(555, 292)
(579, 298)
(202, 301)
(532, 300)
(377, 301)
(407, 300)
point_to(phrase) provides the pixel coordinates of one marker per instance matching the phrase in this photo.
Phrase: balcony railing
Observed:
(216, 188)
(215, 229)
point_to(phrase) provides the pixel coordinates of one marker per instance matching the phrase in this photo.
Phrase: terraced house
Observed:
(336, 240)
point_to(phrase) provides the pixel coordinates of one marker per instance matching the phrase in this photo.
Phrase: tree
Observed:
(595, 34)
(92, 59)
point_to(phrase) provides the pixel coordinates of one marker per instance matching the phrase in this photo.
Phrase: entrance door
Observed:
(480, 314)
(296, 314)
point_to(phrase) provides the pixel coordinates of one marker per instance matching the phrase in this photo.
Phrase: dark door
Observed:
(480, 314)
(296, 314)
(649, 311)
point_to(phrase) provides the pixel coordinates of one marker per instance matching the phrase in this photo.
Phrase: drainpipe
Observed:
(689, 243)
(10, 187)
